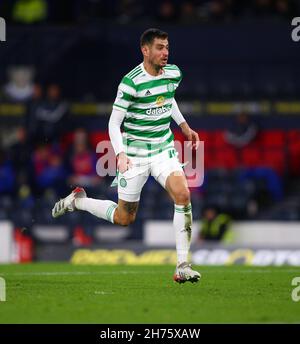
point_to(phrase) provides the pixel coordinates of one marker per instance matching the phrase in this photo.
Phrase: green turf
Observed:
(64, 293)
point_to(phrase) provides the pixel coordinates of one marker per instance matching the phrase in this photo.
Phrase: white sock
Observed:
(103, 209)
(183, 226)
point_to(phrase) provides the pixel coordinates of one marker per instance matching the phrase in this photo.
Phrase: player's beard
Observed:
(159, 65)
(156, 66)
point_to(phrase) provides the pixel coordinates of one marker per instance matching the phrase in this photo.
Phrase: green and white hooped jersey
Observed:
(147, 101)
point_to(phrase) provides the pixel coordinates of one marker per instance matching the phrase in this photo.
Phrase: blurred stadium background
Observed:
(60, 68)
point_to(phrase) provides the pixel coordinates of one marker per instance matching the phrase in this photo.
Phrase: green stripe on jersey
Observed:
(146, 144)
(157, 151)
(151, 99)
(146, 133)
(172, 68)
(144, 122)
(122, 107)
(128, 82)
(168, 66)
(126, 96)
(133, 71)
(136, 74)
(156, 83)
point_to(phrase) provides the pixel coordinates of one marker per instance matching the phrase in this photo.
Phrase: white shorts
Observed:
(160, 166)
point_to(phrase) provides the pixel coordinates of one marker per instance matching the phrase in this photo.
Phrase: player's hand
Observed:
(124, 163)
(191, 135)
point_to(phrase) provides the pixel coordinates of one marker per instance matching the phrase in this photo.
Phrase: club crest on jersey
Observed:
(160, 100)
(123, 182)
(170, 87)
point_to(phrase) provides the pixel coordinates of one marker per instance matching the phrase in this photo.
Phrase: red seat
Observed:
(219, 140)
(272, 138)
(294, 160)
(275, 158)
(293, 143)
(226, 158)
(206, 137)
(293, 136)
(251, 157)
(98, 136)
(209, 159)
(67, 140)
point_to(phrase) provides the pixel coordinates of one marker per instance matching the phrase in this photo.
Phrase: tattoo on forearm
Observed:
(131, 207)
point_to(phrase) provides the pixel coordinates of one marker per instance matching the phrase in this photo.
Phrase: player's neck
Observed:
(151, 69)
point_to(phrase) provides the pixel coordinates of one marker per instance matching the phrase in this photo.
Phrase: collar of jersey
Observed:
(151, 76)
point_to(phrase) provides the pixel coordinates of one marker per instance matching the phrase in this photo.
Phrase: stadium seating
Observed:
(272, 139)
(234, 179)
(293, 146)
(226, 158)
(274, 158)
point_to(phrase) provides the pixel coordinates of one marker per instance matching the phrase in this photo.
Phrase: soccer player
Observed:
(145, 102)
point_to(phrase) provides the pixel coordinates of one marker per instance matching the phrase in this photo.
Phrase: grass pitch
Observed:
(65, 293)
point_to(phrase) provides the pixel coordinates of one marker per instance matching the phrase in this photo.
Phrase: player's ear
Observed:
(145, 50)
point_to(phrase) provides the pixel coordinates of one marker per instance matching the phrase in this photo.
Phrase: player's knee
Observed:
(126, 220)
(183, 197)
(123, 222)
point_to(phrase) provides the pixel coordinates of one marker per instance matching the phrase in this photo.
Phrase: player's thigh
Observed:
(177, 187)
(170, 175)
(163, 166)
(129, 192)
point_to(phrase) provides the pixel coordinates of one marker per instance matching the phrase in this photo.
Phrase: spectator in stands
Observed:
(47, 116)
(166, 11)
(285, 8)
(82, 161)
(215, 226)
(7, 174)
(243, 132)
(19, 87)
(25, 197)
(31, 121)
(219, 10)
(188, 13)
(263, 8)
(271, 179)
(20, 154)
(126, 11)
(49, 169)
(129, 11)
(87, 10)
(37, 93)
(30, 11)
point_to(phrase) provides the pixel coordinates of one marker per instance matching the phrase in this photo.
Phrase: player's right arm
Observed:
(114, 130)
(125, 95)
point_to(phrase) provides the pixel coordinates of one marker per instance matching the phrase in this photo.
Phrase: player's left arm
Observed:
(190, 134)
